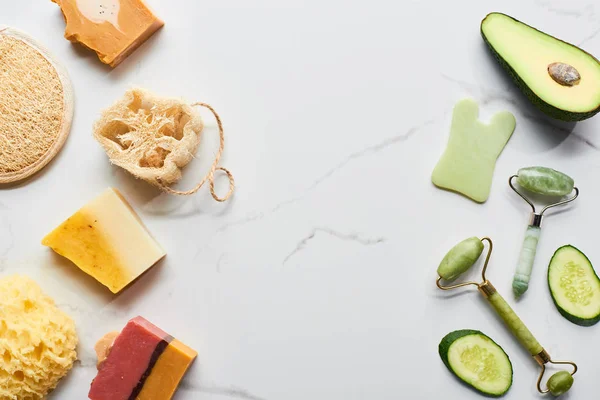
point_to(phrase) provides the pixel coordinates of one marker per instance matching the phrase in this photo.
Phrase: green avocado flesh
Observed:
(478, 361)
(574, 286)
(526, 54)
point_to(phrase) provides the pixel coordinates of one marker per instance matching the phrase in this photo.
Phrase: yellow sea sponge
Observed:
(37, 340)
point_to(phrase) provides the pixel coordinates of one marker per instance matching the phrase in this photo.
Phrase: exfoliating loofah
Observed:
(154, 138)
(151, 137)
(37, 341)
(36, 106)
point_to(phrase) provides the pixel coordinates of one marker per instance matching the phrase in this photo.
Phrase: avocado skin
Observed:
(450, 338)
(570, 317)
(546, 108)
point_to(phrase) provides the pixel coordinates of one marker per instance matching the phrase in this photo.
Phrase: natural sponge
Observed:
(37, 341)
(151, 137)
(155, 137)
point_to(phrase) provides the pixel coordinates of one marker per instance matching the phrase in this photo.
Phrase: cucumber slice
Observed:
(574, 286)
(478, 361)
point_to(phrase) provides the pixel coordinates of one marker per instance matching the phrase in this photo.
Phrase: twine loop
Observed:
(210, 177)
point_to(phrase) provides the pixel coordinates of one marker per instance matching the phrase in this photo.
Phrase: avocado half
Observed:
(531, 57)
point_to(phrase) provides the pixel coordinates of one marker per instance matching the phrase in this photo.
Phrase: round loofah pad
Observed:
(37, 341)
(36, 106)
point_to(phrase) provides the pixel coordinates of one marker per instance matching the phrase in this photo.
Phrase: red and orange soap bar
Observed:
(143, 363)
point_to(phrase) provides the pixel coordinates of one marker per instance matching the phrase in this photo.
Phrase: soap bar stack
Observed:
(144, 363)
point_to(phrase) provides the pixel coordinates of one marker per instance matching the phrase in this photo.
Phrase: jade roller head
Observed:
(548, 183)
(458, 261)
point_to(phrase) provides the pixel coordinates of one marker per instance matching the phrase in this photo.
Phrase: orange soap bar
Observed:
(112, 28)
(167, 372)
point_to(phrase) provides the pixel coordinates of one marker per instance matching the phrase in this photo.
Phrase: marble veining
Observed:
(589, 38)
(354, 237)
(231, 392)
(560, 8)
(367, 151)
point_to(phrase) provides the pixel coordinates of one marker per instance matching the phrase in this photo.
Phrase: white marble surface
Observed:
(317, 280)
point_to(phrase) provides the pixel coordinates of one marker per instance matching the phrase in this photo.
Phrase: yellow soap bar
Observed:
(112, 28)
(107, 240)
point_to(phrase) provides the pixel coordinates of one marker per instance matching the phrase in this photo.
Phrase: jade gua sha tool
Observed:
(549, 183)
(462, 257)
(467, 165)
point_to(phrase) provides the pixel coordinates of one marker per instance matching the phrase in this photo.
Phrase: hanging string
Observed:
(210, 177)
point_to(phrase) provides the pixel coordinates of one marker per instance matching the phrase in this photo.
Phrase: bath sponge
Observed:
(37, 341)
(151, 137)
(154, 137)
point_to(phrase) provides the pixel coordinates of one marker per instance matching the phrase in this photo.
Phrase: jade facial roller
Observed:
(547, 182)
(457, 261)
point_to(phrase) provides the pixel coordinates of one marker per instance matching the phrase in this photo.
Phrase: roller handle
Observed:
(526, 260)
(514, 323)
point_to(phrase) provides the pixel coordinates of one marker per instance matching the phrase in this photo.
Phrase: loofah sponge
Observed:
(155, 137)
(37, 341)
(36, 106)
(151, 137)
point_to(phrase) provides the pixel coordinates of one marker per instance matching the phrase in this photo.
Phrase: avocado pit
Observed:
(564, 74)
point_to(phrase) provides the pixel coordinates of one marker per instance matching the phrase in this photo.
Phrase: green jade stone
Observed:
(560, 383)
(519, 288)
(514, 323)
(526, 259)
(460, 258)
(545, 181)
(468, 163)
